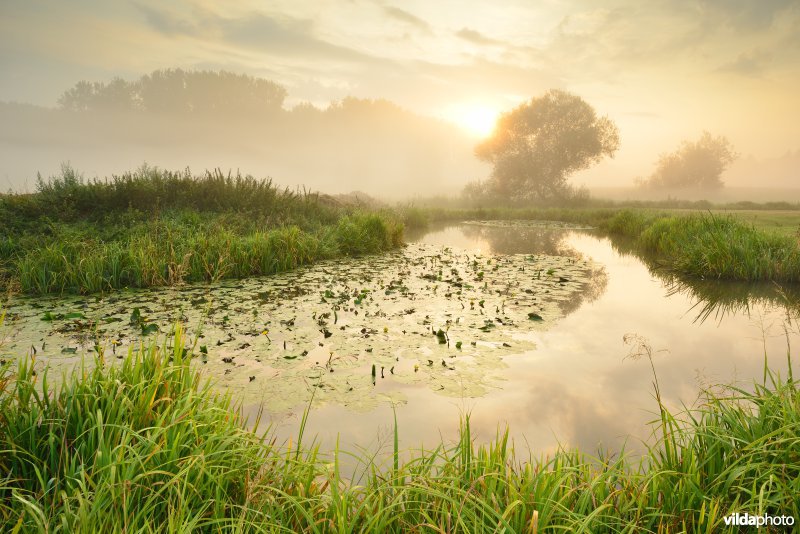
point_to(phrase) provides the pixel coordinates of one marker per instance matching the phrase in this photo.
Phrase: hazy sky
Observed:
(663, 70)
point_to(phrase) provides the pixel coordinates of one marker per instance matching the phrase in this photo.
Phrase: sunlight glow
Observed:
(479, 120)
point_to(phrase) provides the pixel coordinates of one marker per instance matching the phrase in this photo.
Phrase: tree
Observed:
(695, 165)
(81, 97)
(537, 146)
(175, 91)
(209, 92)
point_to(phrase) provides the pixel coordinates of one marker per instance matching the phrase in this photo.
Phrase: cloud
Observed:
(165, 22)
(287, 37)
(745, 14)
(272, 35)
(752, 63)
(476, 37)
(407, 18)
(687, 36)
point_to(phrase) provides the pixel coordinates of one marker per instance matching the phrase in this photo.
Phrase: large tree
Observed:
(537, 146)
(694, 165)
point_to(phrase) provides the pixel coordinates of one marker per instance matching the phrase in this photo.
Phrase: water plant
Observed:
(146, 445)
(696, 244)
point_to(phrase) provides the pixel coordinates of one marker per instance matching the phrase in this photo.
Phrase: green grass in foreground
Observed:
(146, 447)
(156, 228)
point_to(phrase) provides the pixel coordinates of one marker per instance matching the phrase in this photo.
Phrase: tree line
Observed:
(534, 148)
(176, 91)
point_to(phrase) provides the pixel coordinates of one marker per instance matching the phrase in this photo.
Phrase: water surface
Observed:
(530, 319)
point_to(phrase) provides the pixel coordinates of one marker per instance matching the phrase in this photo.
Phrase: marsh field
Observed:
(427, 267)
(226, 355)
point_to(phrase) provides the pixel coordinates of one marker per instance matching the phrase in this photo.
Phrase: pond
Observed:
(515, 323)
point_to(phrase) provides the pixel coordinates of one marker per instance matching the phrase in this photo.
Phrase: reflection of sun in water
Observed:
(477, 119)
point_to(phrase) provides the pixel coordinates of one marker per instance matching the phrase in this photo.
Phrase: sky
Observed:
(664, 71)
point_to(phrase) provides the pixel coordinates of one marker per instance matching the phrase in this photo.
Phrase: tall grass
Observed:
(721, 247)
(155, 228)
(139, 447)
(709, 245)
(146, 446)
(70, 197)
(171, 258)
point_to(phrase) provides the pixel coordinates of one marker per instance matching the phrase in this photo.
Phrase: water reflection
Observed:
(577, 389)
(712, 298)
(708, 298)
(521, 239)
(717, 298)
(574, 389)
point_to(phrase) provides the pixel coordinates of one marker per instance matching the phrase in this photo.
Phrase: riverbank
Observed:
(147, 442)
(157, 228)
(708, 245)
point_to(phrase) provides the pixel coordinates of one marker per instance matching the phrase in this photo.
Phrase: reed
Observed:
(157, 228)
(712, 246)
(170, 258)
(146, 445)
(69, 197)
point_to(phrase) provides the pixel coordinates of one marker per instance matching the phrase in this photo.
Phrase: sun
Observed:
(478, 120)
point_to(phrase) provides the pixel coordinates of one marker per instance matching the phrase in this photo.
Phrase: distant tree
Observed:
(694, 165)
(306, 110)
(117, 95)
(538, 145)
(474, 191)
(365, 109)
(81, 97)
(164, 91)
(208, 92)
(176, 91)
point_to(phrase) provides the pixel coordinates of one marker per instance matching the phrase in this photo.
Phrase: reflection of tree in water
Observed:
(720, 298)
(541, 240)
(716, 297)
(522, 240)
(592, 290)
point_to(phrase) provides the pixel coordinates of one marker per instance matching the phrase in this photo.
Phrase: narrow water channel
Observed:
(516, 324)
(583, 385)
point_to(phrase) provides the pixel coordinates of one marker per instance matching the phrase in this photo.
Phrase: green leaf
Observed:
(151, 328)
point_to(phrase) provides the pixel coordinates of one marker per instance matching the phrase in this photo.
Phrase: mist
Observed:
(384, 100)
(370, 146)
(354, 145)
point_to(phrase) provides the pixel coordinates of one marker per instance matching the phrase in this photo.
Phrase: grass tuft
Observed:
(156, 228)
(148, 446)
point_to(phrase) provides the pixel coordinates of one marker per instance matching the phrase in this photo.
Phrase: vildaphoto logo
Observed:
(745, 520)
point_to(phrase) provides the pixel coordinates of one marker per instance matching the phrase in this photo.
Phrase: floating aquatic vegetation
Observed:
(355, 332)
